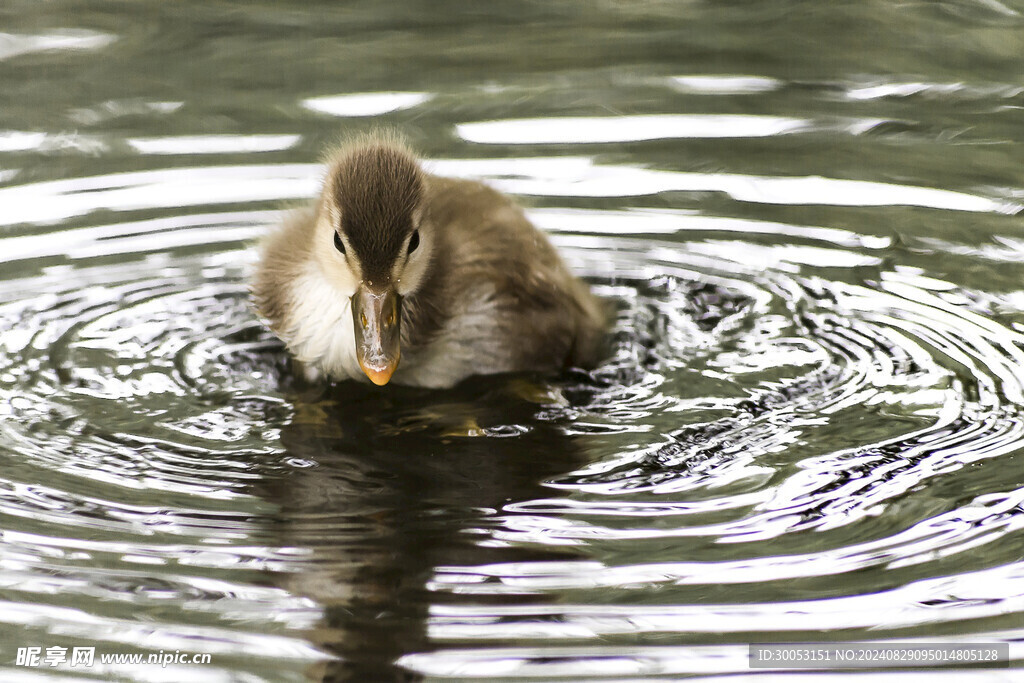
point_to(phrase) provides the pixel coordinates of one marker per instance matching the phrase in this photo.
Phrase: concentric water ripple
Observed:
(757, 430)
(934, 387)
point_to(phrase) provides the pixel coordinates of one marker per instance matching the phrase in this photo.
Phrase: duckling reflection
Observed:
(400, 486)
(399, 274)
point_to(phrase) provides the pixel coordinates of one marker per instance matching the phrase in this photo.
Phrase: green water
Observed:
(808, 428)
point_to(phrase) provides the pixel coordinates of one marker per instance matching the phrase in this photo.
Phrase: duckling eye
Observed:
(414, 241)
(338, 243)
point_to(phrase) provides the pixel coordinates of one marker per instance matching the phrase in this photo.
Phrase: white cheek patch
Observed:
(319, 330)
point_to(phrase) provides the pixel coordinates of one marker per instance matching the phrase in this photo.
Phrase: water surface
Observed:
(809, 426)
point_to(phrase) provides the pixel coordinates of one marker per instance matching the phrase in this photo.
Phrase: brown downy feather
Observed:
(493, 296)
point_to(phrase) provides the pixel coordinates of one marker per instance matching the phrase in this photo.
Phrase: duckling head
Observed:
(372, 244)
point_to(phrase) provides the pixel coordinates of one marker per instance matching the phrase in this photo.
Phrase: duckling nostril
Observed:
(362, 319)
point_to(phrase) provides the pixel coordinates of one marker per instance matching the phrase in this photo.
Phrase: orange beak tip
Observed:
(379, 376)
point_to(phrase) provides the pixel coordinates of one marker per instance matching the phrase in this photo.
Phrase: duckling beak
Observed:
(377, 313)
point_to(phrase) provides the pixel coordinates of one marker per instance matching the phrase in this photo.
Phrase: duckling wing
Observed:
(544, 318)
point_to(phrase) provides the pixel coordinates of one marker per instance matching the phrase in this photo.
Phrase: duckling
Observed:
(397, 274)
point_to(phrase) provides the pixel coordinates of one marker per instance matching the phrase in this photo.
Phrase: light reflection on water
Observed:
(54, 201)
(807, 427)
(592, 130)
(365, 104)
(15, 44)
